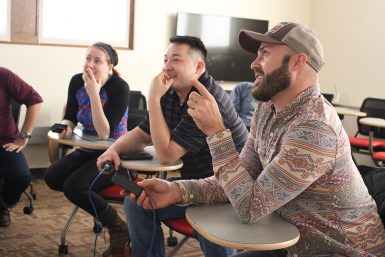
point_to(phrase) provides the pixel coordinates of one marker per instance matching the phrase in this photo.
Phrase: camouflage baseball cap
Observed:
(296, 36)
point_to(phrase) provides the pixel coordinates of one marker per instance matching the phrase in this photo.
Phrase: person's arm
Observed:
(134, 140)
(160, 192)
(23, 93)
(208, 190)
(205, 111)
(235, 97)
(28, 125)
(99, 119)
(167, 150)
(31, 117)
(248, 194)
(117, 92)
(163, 193)
(300, 162)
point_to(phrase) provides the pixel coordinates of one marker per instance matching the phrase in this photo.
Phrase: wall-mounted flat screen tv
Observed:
(226, 60)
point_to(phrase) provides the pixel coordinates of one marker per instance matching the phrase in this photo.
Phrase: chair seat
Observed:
(112, 193)
(360, 142)
(180, 225)
(379, 156)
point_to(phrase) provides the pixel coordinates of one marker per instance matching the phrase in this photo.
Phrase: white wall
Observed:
(49, 68)
(353, 36)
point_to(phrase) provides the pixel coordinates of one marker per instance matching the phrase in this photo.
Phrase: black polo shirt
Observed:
(197, 162)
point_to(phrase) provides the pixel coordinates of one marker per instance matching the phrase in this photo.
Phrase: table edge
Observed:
(242, 246)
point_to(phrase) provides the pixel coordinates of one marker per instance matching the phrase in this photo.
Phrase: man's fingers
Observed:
(146, 182)
(202, 90)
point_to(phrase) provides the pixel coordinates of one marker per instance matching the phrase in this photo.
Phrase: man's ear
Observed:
(201, 66)
(299, 61)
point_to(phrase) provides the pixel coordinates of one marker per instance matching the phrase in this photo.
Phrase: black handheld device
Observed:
(127, 184)
(108, 167)
(58, 127)
(142, 155)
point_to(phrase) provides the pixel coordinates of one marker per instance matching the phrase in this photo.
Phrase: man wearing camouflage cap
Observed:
(297, 159)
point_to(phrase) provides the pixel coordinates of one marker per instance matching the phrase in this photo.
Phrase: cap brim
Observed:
(250, 40)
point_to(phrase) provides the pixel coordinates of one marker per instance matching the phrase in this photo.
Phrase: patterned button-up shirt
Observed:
(298, 163)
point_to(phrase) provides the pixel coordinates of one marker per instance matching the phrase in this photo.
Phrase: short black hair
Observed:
(194, 42)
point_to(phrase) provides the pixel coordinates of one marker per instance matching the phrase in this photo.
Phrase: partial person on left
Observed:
(15, 175)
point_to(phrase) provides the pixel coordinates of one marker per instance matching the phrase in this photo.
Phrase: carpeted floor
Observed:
(38, 234)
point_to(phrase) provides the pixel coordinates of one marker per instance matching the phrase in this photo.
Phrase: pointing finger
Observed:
(202, 90)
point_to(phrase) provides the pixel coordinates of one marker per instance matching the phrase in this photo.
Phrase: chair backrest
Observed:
(15, 111)
(137, 100)
(137, 109)
(373, 107)
(328, 97)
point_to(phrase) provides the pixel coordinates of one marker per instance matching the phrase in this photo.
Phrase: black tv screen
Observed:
(226, 60)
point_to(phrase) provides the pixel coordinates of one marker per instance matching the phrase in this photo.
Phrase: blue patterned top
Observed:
(114, 99)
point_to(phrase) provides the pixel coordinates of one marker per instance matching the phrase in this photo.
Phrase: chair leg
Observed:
(63, 247)
(171, 239)
(178, 246)
(29, 209)
(31, 197)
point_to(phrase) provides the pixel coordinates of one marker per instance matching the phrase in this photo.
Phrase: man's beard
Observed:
(274, 82)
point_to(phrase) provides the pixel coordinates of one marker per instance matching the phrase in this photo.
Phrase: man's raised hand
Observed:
(204, 110)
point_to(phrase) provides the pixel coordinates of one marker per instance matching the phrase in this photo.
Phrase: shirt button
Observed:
(191, 196)
(271, 134)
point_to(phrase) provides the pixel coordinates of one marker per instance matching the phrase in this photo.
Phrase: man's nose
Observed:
(167, 67)
(255, 64)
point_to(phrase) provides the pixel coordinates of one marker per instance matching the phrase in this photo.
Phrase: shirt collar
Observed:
(292, 109)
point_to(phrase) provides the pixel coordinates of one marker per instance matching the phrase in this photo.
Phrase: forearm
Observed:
(200, 191)
(233, 177)
(99, 119)
(282, 179)
(132, 141)
(31, 117)
(160, 133)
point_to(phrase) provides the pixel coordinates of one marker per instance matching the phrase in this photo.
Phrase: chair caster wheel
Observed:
(27, 210)
(33, 194)
(97, 228)
(63, 249)
(172, 241)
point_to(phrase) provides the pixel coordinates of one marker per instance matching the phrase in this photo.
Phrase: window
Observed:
(71, 22)
(5, 19)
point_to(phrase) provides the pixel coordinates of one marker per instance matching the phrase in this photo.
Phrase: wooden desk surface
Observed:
(79, 139)
(150, 165)
(347, 111)
(374, 122)
(92, 142)
(219, 224)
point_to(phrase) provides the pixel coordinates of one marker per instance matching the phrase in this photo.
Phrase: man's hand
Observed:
(109, 155)
(162, 193)
(204, 110)
(16, 145)
(160, 84)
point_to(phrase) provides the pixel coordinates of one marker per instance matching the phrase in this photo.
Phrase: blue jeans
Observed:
(141, 228)
(16, 176)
